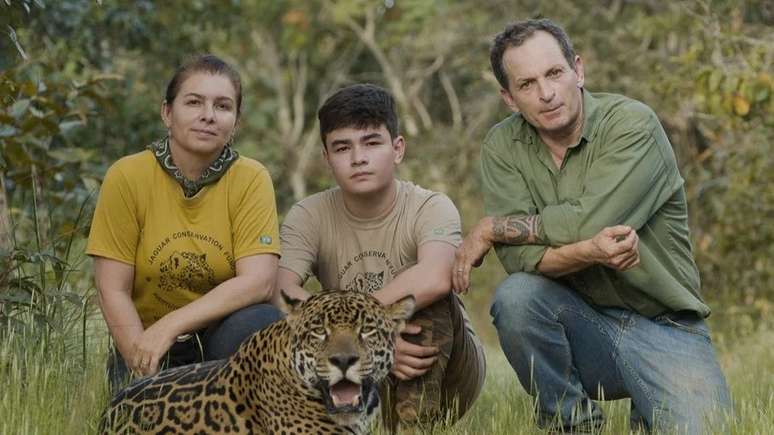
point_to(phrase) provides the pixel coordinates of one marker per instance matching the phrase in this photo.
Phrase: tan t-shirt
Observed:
(181, 247)
(320, 237)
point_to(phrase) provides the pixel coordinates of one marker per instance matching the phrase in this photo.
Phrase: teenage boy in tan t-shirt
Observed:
(390, 238)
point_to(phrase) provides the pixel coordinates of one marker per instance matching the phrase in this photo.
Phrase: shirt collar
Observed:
(590, 115)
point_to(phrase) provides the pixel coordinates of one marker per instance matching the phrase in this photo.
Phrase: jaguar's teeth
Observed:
(345, 393)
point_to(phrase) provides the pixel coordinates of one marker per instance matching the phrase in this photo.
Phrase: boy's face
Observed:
(363, 160)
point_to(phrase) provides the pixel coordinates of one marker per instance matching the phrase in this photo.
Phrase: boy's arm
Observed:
(289, 282)
(436, 230)
(428, 281)
(300, 245)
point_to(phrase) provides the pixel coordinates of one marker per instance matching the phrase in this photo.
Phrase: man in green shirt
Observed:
(587, 213)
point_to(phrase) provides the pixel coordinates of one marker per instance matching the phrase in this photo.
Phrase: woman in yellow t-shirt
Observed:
(184, 236)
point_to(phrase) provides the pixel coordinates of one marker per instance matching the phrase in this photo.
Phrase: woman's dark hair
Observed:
(358, 106)
(204, 63)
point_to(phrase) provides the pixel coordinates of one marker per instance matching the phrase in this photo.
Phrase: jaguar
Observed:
(317, 370)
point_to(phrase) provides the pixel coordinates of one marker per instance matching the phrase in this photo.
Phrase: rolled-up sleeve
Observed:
(506, 194)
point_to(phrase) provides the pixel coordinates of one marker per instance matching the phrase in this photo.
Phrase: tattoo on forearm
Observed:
(517, 230)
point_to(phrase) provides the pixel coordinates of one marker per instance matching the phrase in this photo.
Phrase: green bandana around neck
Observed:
(211, 174)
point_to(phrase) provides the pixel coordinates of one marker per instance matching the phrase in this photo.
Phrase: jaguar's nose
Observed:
(343, 361)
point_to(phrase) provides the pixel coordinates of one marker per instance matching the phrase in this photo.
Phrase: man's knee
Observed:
(522, 295)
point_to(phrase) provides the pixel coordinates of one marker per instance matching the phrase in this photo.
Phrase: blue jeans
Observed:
(218, 341)
(568, 353)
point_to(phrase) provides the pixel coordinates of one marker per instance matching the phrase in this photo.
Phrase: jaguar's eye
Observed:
(318, 332)
(367, 331)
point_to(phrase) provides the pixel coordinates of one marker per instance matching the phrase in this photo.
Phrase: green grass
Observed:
(47, 388)
(504, 407)
(49, 385)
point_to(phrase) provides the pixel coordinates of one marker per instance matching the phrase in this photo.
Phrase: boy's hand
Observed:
(412, 360)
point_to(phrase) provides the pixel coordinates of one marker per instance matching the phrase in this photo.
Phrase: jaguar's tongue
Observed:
(345, 393)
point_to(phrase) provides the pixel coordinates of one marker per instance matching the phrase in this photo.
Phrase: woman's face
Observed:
(202, 117)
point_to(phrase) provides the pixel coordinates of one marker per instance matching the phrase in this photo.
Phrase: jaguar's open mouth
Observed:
(345, 393)
(346, 396)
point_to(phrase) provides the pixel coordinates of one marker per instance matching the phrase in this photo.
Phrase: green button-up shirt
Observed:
(622, 172)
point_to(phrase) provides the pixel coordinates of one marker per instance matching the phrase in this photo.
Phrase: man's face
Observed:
(542, 86)
(363, 160)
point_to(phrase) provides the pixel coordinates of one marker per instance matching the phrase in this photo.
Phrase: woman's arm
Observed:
(114, 281)
(253, 283)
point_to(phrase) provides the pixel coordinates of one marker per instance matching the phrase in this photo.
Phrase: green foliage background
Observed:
(81, 83)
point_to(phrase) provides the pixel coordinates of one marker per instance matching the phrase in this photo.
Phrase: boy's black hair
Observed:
(358, 106)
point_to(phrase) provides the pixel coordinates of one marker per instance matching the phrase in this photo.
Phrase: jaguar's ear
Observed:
(401, 310)
(289, 305)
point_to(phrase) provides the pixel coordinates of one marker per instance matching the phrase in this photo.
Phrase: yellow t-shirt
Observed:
(181, 247)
